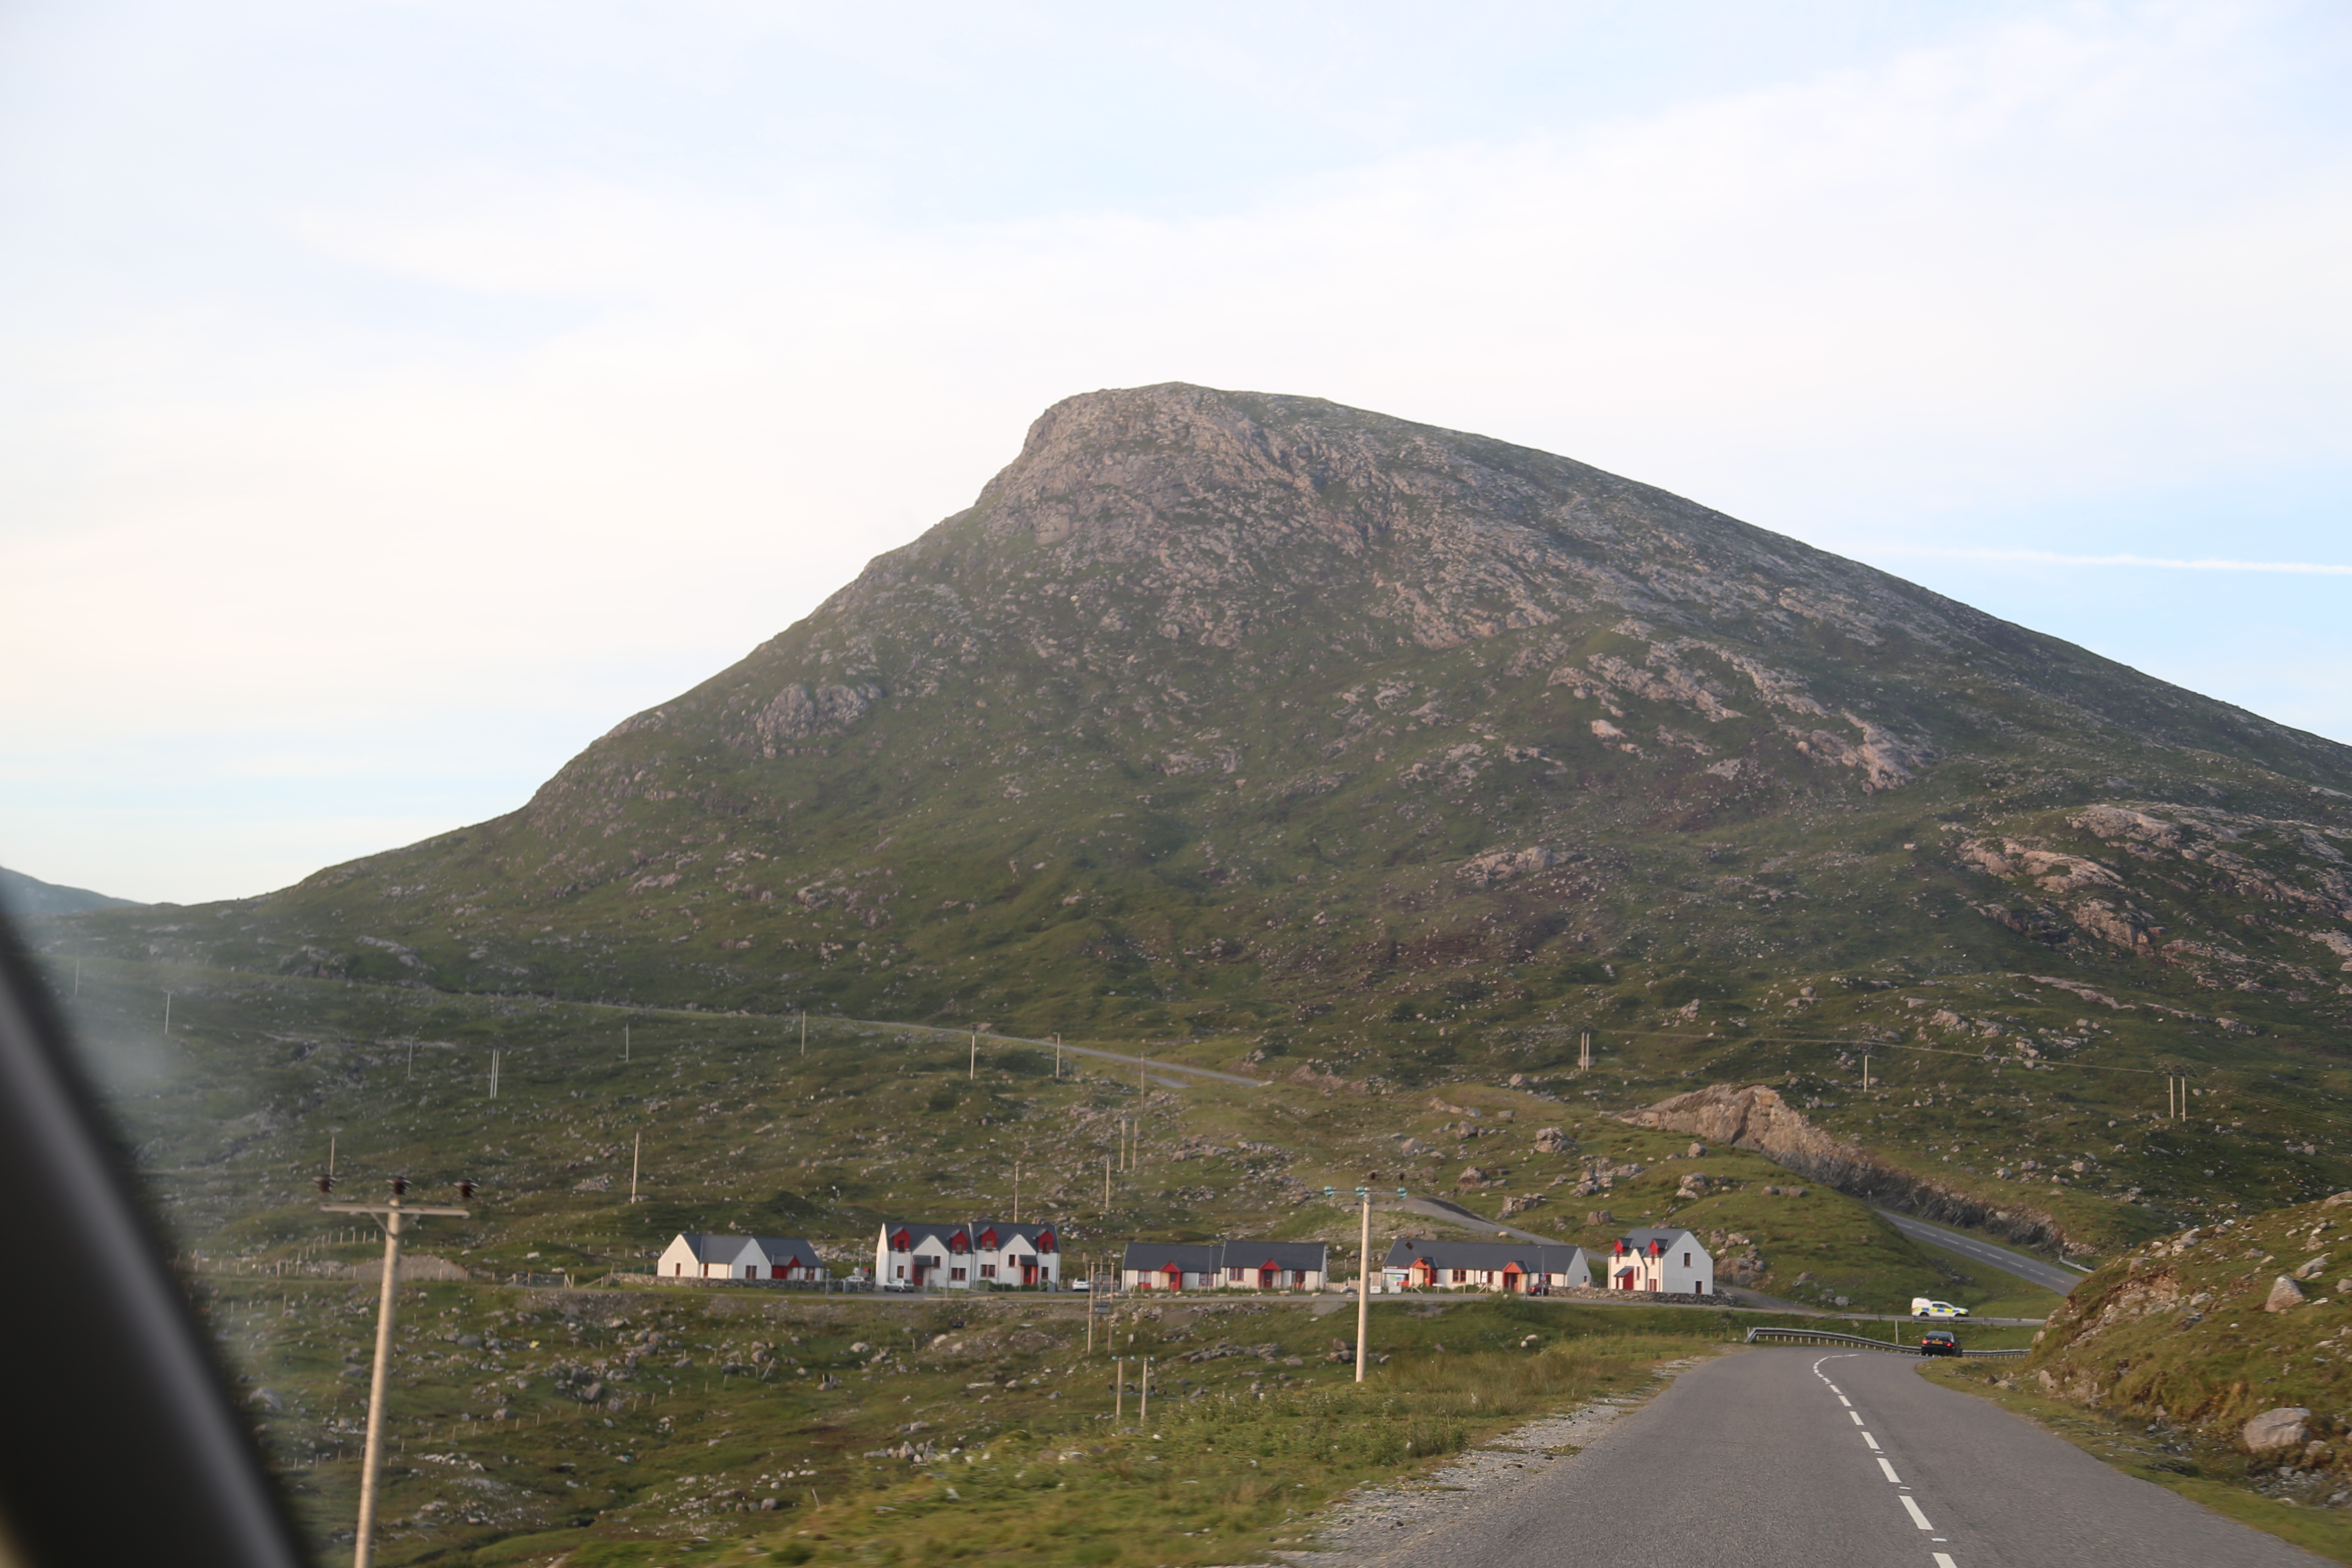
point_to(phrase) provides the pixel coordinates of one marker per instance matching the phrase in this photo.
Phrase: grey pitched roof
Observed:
(713, 1249)
(1006, 1230)
(786, 1250)
(1307, 1256)
(1668, 1240)
(1532, 1256)
(920, 1231)
(1153, 1257)
(1210, 1256)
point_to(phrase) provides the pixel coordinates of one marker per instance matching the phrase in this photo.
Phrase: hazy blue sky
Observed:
(395, 395)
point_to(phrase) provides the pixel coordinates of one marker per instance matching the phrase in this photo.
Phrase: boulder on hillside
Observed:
(2311, 1267)
(2288, 1426)
(1553, 1141)
(2286, 1296)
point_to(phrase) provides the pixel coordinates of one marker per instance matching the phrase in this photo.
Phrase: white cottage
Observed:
(697, 1256)
(1672, 1261)
(1225, 1266)
(913, 1255)
(1013, 1255)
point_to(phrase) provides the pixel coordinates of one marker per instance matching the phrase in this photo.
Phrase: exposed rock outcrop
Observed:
(1753, 1117)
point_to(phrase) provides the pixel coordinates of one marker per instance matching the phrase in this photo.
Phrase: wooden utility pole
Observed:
(636, 1147)
(1105, 1181)
(1584, 1047)
(1057, 1058)
(804, 1031)
(167, 1012)
(1119, 1390)
(1016, 1192)
(494, 1075)
(371, 1456)
(1364, 1280)
(1143, 1404)
(625, 1045)
(1865, 1072)
(975, 1073)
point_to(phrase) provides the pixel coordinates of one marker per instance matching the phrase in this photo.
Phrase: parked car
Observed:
(1939, 1342)
(1923, 1307)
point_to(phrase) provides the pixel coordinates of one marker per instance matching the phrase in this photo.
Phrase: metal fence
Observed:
(1761, 1336)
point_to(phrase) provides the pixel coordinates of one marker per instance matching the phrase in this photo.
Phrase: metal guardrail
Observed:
(1825, 1337)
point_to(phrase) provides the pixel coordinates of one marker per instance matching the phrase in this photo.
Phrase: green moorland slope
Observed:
(607, 1421)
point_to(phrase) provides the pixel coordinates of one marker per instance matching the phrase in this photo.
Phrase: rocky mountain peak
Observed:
(1219, 708)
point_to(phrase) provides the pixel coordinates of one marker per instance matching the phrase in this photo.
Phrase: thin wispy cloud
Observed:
(2056, 558)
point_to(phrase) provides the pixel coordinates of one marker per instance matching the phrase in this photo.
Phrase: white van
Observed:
(1921, 1306)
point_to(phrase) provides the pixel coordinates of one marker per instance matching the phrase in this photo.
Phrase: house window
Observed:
(955, 1273)
(1687, 1260)
(988, 1271)
(902, 1272)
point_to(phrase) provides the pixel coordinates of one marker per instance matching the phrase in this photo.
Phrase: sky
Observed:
(396, 395)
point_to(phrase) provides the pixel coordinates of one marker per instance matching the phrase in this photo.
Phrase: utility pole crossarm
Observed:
(388, 1208)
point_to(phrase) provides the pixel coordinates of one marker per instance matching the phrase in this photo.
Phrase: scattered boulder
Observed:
(1601, 1217)
(1784, 1192)
(1554, 1141)
(2311, 1267)
(2286, 1296)
(2288, 1426)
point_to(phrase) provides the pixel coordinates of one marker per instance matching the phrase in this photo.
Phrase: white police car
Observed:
(1922, 1307)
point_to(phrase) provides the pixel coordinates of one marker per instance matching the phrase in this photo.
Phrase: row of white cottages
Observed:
(911, 1254)
(981, 1254)
(1672, 1261)
(907, 1256)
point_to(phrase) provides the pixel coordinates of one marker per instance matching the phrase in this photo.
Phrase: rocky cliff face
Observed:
(1755, 1117)
(1229, 713)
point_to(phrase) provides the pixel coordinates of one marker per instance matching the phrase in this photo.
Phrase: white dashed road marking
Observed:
(1871, 1440)
(1943, 1560)
(1857, 1416)
(1844, 1400)
(1916, 1517)
(1890, 1470)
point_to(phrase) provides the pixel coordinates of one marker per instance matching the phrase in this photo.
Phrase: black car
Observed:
(1939, 1341)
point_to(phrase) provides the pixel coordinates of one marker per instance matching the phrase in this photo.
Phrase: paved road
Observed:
(2033, 1271)
(1438, 1208)
(1815, 1459)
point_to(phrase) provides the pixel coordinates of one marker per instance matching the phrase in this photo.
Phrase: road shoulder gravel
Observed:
(1388, 1520)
